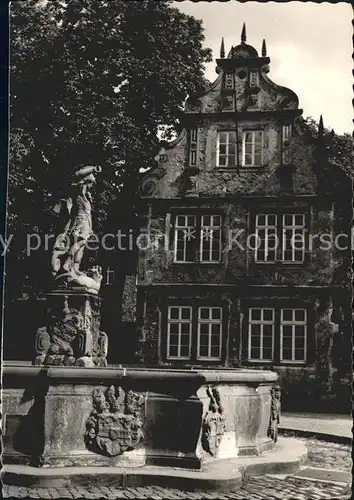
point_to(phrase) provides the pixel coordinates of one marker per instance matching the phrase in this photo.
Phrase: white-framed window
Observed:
(293, 326)
(185, 235)
(280, 238)
(210, 238)
(293, 238)
(286, 134)
(252, 148)
(261, 334)
(179, 332)
(197, 238)
(110, 273)
(266, 238)
(277, 334)
(209, 339)
(226, 148)
(254, 79)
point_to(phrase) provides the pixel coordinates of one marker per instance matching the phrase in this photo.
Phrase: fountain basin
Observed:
(149, 417)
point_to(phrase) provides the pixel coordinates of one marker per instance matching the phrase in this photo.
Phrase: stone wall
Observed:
(323, 264)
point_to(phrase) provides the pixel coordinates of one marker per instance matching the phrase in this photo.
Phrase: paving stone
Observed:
(321, 454)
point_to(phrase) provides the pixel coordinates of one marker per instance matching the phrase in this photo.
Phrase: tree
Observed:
(91, 83)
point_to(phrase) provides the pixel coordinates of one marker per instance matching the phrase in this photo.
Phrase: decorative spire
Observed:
(320, 126)
(222, 49)
(264, 48)
(243, 33)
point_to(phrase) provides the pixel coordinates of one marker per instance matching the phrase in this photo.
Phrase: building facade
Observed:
(240, 266)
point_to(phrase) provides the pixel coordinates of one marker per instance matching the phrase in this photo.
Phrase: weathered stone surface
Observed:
(72, 335)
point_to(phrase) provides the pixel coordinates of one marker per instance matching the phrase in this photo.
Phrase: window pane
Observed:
(173, 339)
(204, 312)
(232, 159)
(203, 351)
(267, 353)
(268, 314)
(299, 355)
(287, 354)
(271, 220)
(232, 149)
(216, 313)
(204, 328)
(299, 314)
(185, 328)
(261, 255)
(222, 149)
(216, 339)
(248, 137)
(261, 220)
(185, 351)
(186, 313)
(255, 330)
(174, 328)
(288, 220)
(300, 331)
(268, 330)
(299, 219)
(287, 331)
(255, 314)
(174, 312)
(255, 352)
(185, 340)
(222, 137)
(267, 342)
(255, 341)
(287, 314)
(173, 350)
(299, 342)
(287, 342)
(222, 160)
(258, 137)
(206, 220)
(232, 137)
(215, 352)
(248, 159)
(257, 158)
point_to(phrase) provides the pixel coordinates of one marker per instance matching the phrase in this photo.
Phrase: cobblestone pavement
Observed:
(328, 455)
(256, 488)
(321, 454)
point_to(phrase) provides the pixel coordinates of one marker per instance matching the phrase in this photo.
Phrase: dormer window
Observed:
(249, 149)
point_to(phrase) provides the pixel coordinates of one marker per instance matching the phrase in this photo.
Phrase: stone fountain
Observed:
(69, 418)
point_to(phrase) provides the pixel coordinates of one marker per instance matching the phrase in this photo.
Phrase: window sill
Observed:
(255, 168)
(197, 262)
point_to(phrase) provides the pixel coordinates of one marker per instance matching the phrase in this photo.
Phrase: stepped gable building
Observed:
(237, 273)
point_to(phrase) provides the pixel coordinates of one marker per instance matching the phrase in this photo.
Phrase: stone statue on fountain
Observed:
(71, 335)
(70, 244)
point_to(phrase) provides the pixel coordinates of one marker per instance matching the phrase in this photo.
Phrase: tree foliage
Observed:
(91, 82)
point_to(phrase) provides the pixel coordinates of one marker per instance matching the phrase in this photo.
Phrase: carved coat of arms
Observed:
(274, 413)
(116, 422)
(213, 424)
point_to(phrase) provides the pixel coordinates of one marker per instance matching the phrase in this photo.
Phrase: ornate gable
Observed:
(244, 135)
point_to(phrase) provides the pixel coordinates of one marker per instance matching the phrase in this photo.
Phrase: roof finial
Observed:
(320, 126)
(264, 48)
(243, 33)
(222, 49)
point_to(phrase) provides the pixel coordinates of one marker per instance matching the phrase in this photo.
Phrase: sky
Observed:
(309, 45)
